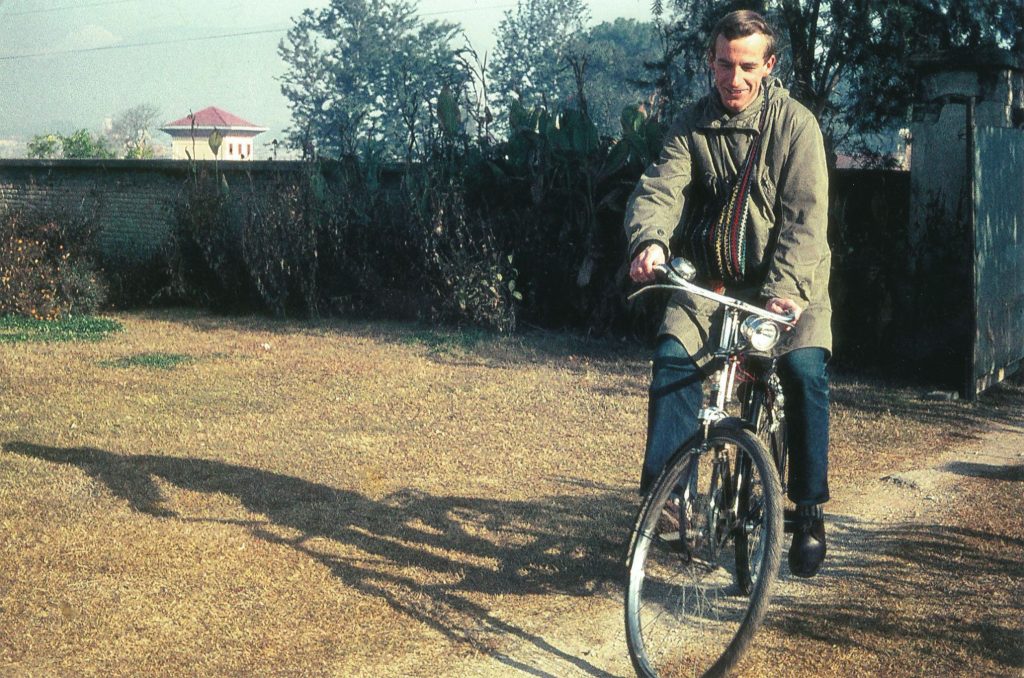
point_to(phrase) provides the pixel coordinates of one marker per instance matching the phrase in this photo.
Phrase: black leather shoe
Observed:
(808, 548)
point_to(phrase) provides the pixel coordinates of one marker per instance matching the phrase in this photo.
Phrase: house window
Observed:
(231, 149)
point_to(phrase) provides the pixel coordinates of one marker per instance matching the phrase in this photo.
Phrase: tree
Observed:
(850, 62)
(130, 131)
(616, 54)
(44, 146)
(531, 57)
(881, 77)
(85, 144)
(365, 75)
(79, 144)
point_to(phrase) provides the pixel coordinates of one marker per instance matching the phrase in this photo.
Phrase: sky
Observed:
(70, 64)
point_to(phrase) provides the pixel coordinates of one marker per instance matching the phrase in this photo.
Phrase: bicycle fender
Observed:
(733, 424)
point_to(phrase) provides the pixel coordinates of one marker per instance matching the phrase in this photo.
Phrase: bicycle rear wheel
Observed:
(686, 614)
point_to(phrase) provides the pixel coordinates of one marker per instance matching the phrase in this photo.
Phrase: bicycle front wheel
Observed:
(686, 612)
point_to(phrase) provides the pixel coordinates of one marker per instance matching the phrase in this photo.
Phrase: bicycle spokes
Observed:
(686, 605)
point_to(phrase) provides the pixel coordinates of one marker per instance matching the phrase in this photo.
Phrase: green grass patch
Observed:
(447, 341)
(15, 329)
(160, 361)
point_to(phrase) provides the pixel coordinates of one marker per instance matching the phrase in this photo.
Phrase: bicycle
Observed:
(707, 541)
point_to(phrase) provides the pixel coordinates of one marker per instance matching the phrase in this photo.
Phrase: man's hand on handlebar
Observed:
(642, 268)
(786, 307)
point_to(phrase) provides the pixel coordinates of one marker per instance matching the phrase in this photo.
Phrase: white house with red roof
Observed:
(190, 136)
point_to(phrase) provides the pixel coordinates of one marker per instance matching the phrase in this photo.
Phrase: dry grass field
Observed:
(205, 496)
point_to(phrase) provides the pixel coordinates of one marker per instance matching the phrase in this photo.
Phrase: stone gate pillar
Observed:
(958, 91)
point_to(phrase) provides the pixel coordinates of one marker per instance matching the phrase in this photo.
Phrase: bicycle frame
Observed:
(733, 346)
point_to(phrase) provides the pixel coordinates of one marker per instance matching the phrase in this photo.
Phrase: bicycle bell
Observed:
(683, 268)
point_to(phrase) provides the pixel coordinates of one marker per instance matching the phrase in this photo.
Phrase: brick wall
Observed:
(133, 200)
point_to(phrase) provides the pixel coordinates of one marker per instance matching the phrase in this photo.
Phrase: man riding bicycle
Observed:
(741, 189)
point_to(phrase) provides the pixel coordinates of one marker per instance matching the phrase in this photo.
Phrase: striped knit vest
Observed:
(717, 243)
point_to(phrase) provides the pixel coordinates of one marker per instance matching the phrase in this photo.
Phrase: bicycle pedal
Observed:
(673, 544)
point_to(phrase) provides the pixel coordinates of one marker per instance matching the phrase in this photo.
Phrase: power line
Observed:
(60, 9)
(177, 41)
(467, 9)
(34, 55)
(125, 2)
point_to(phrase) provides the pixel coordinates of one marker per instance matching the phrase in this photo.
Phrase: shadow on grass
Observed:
(990, 471)
(865, 390)
(943, 595)
(557, 544)
(878, 397)
(443, 344)
(426, 555)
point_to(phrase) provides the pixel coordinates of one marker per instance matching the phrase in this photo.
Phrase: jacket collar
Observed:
(712, 115)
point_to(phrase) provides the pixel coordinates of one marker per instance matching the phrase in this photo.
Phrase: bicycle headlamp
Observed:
(761, 333)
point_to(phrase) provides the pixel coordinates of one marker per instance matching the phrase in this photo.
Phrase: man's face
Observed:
(739, 67)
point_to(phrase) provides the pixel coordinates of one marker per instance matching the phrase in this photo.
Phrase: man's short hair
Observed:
(740, 24)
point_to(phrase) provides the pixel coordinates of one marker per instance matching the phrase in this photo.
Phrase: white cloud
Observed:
(89, 36)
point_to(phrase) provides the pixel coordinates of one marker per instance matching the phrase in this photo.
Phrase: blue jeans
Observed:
(676, 395)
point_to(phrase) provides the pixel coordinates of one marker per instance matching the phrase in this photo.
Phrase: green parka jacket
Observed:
(787, 248)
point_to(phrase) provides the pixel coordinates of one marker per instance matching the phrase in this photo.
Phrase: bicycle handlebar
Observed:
(676, 282)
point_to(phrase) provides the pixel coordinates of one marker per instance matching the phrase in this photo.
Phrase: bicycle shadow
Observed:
(558, 545)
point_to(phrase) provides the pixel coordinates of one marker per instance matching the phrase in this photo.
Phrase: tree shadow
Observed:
(989, 471)
(913, 585)
(445, 345)
(877, 396)
(550, 545)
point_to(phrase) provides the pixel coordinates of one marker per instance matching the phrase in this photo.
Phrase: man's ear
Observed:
(770, 64)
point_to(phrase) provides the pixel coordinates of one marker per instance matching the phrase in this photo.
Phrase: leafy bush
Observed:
(205, 263)
(469, 277)
(279, 242)
(48, 265)
(556, 192)
(135, 282)
(331, 239)
(370, 258)
(257, 248)
(411, 250)
(474, 234)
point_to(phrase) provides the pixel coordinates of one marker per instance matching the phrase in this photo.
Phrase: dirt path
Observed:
(923, 578)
